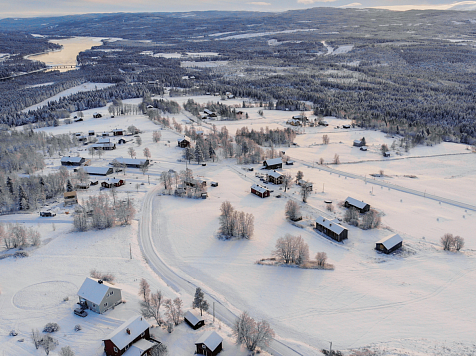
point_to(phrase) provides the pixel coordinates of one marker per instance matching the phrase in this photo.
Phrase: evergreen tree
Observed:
(188, 154)
(199, 301)
(69, 186)
(10, 185)
(198, 154)
(211, 152)
(23, 199)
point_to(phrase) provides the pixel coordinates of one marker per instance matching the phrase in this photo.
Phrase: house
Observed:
(91, 133)
(97, 115)
(386, 154)
(275, 177)
(195, 183)
(209, 113)
(389, 244)
(184, 142)
(359, 143)
(112, 182)
(98, 171)
(274, 163)
(131, 339)
(193, 321)
(72, 161)
(104, 146)
(131, 162)
(103, 140)
(331, 228)
(209, 344)
(357, 204)
(118, 132)
(98, 296)
(346, 126)
(82, 185)
(70, 198)
(260, 191)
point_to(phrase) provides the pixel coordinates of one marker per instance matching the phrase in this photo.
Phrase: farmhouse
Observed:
(132, 162)
(209, 344)
(91, 133)
(98, 171)
(357, 204)
(274, 163)
(132, 339)
(112, 182)
(331, 228)
(294, 122)
(183, 142)
(72, 161)
(275, 177)
(195, 183)
(193, 321)
(389, 244)
(118, 132)
(104, 146)
(98, 296)
(70, 198)
(260, 191)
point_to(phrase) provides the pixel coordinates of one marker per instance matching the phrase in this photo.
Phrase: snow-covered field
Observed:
(416, 302)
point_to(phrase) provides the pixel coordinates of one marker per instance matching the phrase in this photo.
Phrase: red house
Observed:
(260, 191)
(113, 182)
(132, 336)
(209, 344)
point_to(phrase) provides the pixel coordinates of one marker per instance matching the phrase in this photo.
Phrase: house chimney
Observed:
(100, 281)
(128, 331)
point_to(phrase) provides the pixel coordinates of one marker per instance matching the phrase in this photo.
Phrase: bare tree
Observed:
(131, 152)
(251, 333)
(447, 241)
(371, 220)
(144, 289)
(150, 308)
(336, 159)
(174, 310)
(351, 216)
(299, 176)
(125, 211)
(325, 139)
(48, 343)
(292, 210)
(138, 140)
(306, 188)
(321, 161)
(321, 258)
(66, 351)
(156, 136)
(291, 249)
(147, 153)
(287, 181)
(458, 243)
(36, 338)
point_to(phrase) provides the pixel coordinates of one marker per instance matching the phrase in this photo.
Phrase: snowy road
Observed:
(178, 283)
(383, 183)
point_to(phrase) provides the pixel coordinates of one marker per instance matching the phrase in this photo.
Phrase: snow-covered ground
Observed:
(416, 302)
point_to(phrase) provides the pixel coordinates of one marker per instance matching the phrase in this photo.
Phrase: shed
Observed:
(91, 133)
(386, 154)
(132, 338)
(72, 161)
(389, 244)
(118, 132)
(209, 113)
(331, 228)
(112, 182)
(357, 204)
(346, 126)
(70, 198)
(183, 142)
(98, 295)
(209, 344)
(121, 141)
(274, 163)
(193, 321)
(260, 191)
(275, 177)
(104, 146)
(358, 143)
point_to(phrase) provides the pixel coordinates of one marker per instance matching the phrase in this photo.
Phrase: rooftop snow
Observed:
(274, 174)
(259, 188)
(139, 347)
(211, 339)
(330, 224)
(121, 338)
(71, 159)
(93, 291)
(96, 170)
(273, 161)
(139, 161)
(192, 318)
(357, 203)
(390, 241)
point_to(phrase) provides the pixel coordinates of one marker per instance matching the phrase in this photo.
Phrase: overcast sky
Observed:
(28, 8)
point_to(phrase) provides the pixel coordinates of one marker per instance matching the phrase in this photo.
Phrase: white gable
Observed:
(390, 241)
(211, 339)
(136, 326)
(93, 291)
(357, 203)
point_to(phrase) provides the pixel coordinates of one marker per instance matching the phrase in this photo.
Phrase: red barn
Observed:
(260, 191)
(113, 182)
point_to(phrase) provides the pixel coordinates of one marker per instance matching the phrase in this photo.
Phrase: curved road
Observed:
(178, 283)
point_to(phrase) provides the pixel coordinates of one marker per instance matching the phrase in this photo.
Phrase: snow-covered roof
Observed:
(112, 180)
(273, 161)
(357, 203)
(358, 141)
(91, 131)
(208, 112)
(275, 174)
(117, 130)
(330, 224)
(93, 291)
(192, 318)
(139, 347)
(299, 117)
(185, 138)
(96, 170)
(139, 161)
(71, 159)
(211, 339)
(103, 144)
(136, 326)
(390, 241)
(259, 188)
(104, 140)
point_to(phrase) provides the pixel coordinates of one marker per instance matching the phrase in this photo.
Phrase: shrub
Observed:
(321, 258)
(77, 327)
(51, 328)
(292, 210)
(447, 241)
(106, 277)
(20, 254)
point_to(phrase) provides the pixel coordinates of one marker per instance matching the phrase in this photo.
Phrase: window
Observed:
(127, 347)
(105, 304)
(115, 349)
(143, 334)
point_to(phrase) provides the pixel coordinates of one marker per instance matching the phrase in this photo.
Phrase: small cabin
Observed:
(275, 177)
(195, 183)
(357, 204)
(112, 182)
(209, 113)
(389, 244)
(118, 132)
(260, 191)
(209, 344)
(386, 154)
(358, 143)
(193, 321)
(97, 115)
(70, 198)
(91, 133)
(98, 296)
(331, 228)
(183, 142)
(72, 161)
(275, 163)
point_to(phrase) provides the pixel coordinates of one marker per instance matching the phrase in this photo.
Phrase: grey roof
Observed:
(192, 318)
(97, 170)
(71, 159)
(211, 339)
(121, 338)
(274, 161)
(390, 241)
(357, 203)
(93, 291)
(139, 161)
(330, 224)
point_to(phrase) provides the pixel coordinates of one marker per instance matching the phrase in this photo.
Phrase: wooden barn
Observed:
(209, 113)
(274, 163)
(98, 296)
(195, 183)
(260, 191)
(132, 337)
(275, 177)
(112, 182)
(193, 321)
(357, 204)
(72, 161)
(389, 244)
(118, 132)
(331, 228)
(209, 344)
(131, 162)
(98, 171)
(183, 142)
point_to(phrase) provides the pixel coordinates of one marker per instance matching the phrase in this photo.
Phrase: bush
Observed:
(321, 258)
(292, 210)
(51, 328)
(450, 243)
(351, 216)
(106, 277)
(371, 220)
(20, 254)
(77, 327)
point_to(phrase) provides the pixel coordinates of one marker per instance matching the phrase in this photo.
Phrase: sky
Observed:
(40, 8)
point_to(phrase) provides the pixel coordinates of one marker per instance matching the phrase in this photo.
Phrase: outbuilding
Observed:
(70, 198)
(386, 154)
(183, 142)
(118, 132)
(357, 204)
(72, 161)
(98, 171)
(389, 244)
(359, 143)
(112, 182)
(195, 322)
(275, 177)
(275, 163)
(331, 228)
(209, 344)
(98, 296)
(260, 191)
(131, 162)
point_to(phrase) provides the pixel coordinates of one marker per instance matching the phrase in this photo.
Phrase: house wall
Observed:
(111, 300)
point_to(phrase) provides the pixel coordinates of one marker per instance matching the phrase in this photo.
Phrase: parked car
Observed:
(80, 312)
(47, 214)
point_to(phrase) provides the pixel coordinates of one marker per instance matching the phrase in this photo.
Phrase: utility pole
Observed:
(330, 348)
(213, 311)
(130, 250)
(148, 178)
(323, 187)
